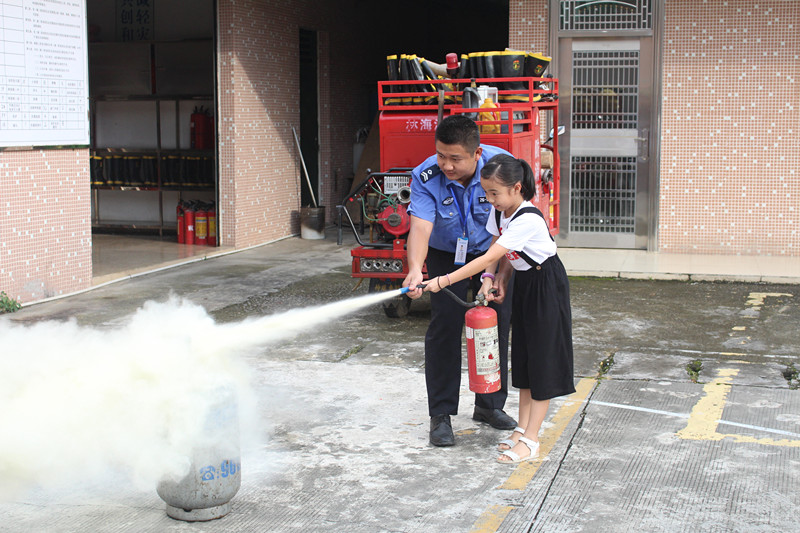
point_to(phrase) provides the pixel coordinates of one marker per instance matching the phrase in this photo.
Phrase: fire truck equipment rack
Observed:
(409, 113)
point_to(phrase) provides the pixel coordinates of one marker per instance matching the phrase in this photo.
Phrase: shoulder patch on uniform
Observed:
(428, 173)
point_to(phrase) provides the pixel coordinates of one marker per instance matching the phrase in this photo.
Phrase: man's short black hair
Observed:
(459, 129)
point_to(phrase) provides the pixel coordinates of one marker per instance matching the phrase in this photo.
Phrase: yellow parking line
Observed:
(707, 412)
(702, 423)
(491, 519)
(756, 299)
(524, 472)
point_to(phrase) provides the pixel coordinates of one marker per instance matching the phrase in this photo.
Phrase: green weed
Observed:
(792, 376)
(352, 351)
(7, 304)
(607, 363)
(693, 369)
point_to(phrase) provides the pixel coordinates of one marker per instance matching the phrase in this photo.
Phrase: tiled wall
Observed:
(45, 223)
(528, 30)
(258, 87)
(730, 158)
(258, 184)
(729, 178)
(528, 25)
(729, 163)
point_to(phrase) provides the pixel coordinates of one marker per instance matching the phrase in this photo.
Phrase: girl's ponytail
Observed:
(528, 181)
(510, 171)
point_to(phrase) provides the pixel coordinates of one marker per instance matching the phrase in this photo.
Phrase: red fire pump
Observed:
(407, 127)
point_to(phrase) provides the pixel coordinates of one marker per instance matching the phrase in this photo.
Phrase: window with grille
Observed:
(605, 89)
(602, 194)
(619, 15)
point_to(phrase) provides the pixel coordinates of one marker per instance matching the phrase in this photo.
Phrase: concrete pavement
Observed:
(339, 442)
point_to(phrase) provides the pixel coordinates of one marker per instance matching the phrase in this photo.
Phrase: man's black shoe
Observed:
(442, 431)
(497, 418)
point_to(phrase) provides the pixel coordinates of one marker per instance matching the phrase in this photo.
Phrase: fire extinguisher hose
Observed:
(452, 295)
(479, 301)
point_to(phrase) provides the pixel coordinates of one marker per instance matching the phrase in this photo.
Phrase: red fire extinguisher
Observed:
(212, 226)
(483, 346)
(201, 226)
(181, 222)
(188, 214)
(483, 349)
(201, 129)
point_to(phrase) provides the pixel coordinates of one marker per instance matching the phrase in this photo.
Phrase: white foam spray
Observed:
(77, 403)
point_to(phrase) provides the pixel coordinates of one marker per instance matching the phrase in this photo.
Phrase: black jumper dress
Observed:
(541, 326)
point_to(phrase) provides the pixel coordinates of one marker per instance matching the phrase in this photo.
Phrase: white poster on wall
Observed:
(44, 85)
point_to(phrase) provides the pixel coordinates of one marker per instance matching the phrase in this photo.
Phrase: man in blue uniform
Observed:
(448, 228)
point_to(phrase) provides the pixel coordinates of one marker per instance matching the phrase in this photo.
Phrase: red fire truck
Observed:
(407, 124)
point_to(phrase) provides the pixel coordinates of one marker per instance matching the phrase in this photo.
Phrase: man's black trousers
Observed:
(443, 340)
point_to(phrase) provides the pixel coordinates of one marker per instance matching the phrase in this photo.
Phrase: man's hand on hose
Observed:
(413, 279)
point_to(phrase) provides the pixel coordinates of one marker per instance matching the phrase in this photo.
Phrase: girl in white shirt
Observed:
(541, 319)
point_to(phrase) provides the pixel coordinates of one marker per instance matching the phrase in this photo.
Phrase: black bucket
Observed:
(312, 222)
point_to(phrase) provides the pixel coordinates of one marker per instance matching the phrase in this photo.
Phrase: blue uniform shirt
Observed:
(432, 200)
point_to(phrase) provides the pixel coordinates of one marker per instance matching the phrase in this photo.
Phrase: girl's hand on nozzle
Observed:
(433, 285)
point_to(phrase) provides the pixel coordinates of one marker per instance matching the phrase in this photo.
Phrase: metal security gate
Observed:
(605, 63)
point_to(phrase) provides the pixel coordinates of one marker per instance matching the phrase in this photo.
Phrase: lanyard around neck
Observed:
(469, 192)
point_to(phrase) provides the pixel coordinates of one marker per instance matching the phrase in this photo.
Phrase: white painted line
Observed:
(760, 428)
(685, 416)
(643, 409)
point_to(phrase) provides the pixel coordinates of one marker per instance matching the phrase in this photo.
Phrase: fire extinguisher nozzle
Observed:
(404, 290)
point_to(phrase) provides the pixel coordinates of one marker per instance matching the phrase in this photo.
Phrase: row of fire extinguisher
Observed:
(197, 223)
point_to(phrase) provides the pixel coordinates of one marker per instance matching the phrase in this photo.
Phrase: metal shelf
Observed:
(151, 71)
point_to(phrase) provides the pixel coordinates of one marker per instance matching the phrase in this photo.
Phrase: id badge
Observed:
(461, 251)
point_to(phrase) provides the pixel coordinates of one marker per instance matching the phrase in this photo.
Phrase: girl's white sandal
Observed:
(533, 448)
(508, 442)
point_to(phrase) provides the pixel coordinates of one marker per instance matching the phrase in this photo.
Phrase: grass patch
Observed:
(693, 369)
(792, 376)
(7, 304)
(607, 363)
(352, 351)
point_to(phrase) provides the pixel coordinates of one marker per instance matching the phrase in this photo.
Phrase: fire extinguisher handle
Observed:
(481, 299)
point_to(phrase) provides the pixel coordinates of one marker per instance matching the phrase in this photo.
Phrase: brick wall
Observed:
(258, 87)
(730, 160)
(45, 223)
(729, 156)
(528, 25)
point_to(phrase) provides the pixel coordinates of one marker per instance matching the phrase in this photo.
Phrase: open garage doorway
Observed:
(152, 111)
(133, 118)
